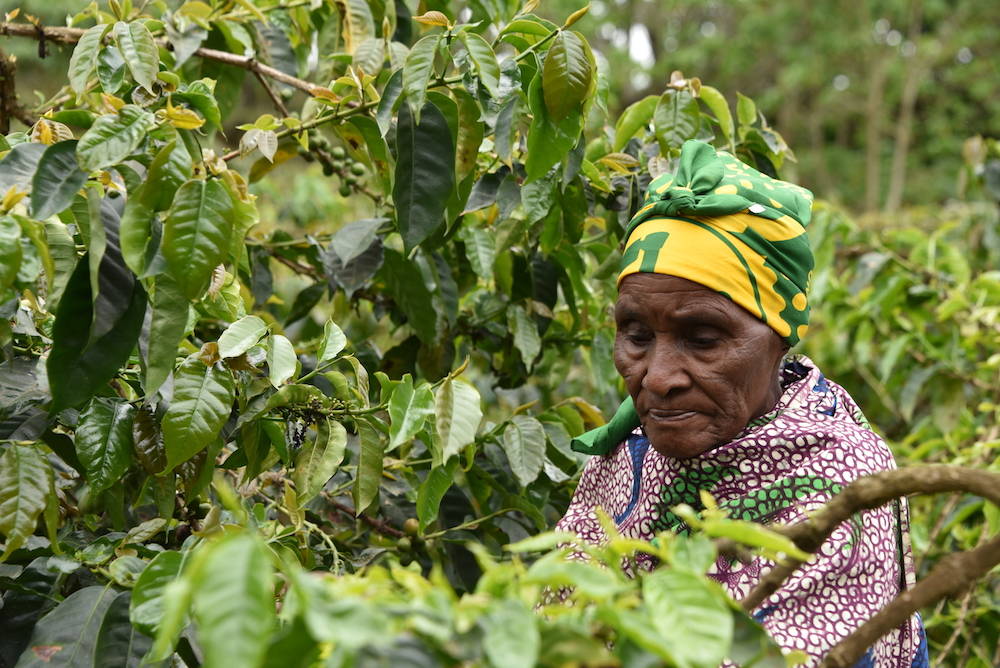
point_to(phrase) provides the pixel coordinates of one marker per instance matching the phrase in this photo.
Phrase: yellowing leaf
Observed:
(49, 132)
(11, 198)
(619, 162)
(324, 93)
(433, 18)
(183, 118)
(112, 102)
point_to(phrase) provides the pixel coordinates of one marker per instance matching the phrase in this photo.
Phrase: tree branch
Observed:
(378, 525)
(952, 574)
(73, 35)
(9, 107)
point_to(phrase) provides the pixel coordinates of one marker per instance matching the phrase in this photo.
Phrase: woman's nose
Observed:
(666, 371)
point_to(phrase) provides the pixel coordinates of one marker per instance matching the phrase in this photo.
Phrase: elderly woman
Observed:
(712, 295)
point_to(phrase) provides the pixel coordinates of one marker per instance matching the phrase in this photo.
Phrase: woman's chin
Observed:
(679, 444)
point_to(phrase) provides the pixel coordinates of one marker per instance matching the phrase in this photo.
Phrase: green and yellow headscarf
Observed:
(723, 224)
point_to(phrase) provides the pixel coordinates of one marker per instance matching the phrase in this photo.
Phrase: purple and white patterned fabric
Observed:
(783, 465)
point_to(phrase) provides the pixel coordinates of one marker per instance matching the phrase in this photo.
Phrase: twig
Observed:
(864, 494)
(378, 525)
(297, 267)
(9, 107)
(73, 35)
(275, 98)
(953, 574)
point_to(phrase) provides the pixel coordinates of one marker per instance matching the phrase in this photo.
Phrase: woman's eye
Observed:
(704, 339)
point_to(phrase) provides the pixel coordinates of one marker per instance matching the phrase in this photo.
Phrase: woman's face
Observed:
(698, 366)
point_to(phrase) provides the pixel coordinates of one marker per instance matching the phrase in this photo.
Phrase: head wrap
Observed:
(722, 224)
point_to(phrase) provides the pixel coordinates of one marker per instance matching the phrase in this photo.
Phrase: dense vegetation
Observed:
(293, 388)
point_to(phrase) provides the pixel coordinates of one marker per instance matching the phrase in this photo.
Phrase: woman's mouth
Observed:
(664, 415)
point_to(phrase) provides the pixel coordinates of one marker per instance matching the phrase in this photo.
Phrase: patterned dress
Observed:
(783, 465)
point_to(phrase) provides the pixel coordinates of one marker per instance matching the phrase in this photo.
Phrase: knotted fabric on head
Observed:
(723, 224)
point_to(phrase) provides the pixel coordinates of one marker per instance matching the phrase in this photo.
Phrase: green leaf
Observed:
(566, 74)
(587, 578)
(242, 335)
(691, 616)
(332, 343)
(233, 602)
(409, 408)
(25, 479)
(406, 285)
(84, 58)
(79, 367)
(56, 181)
(369, 474)
(317, 462)
(471, 131)
(10, 250)
(67, 636)
(676, 120)
(281, 360)
(425, 173)
(17, 168)
(512, 637)
(458, 412)
(118, 642)
(196, 234)
(716, 102)
(484, 61)
(432, 490)
(358, 23)
(104, 441)
(139, 51)
(417, 71)
(754, 535)
(746, 110)
(634, 118)
(166, 329)
(524, 443)
(549, 141)
(480, 249)
(203, 398)
(147, 594)
(113, 137)
(526, 338)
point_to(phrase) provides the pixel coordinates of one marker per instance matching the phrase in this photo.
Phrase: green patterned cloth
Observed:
(723, 224)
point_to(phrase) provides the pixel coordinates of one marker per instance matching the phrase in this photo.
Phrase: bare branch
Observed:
(953, 574)
(866, 493)
(9, 107)
(378, 525)
(73, 35)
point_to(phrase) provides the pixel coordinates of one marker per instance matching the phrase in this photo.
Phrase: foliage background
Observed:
(878, 105)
